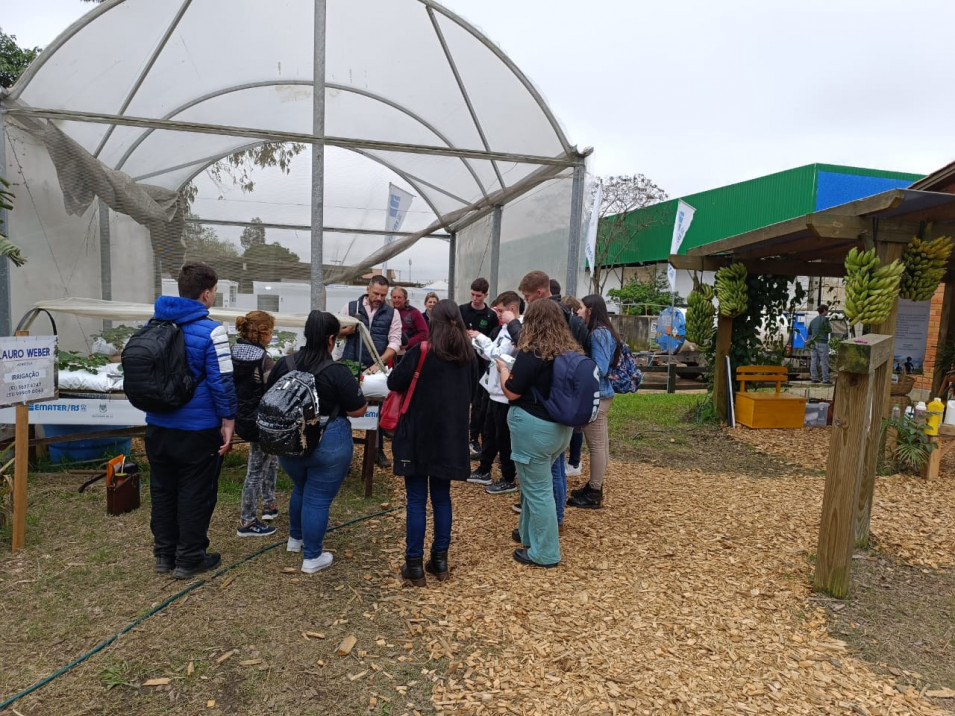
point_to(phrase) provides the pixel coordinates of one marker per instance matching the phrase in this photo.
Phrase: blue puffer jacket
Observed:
(207, 348)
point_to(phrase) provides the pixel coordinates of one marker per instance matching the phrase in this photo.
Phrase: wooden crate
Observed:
(767, 410)
(770, 410)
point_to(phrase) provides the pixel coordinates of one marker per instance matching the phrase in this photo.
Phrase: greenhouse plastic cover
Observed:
(139, 97)
(405, 73)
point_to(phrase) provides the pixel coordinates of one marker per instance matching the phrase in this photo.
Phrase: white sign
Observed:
(81, 411)
(684, 217)
(591, 247)
(27, 369)
(368, 421)
(911, 333)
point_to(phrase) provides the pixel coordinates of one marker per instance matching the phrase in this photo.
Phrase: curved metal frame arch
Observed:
(271, 83)
(403, 175)
(67, 34)
(522, 78)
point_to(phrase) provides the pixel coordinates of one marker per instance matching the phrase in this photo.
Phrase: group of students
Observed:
(430, 444)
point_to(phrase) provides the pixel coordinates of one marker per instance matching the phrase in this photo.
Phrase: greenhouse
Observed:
(122, 116)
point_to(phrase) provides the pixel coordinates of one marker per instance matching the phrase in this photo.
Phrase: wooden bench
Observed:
(767, 410)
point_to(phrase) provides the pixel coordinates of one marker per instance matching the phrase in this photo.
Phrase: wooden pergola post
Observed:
(721, 388)
(863, 365)
(946, 331)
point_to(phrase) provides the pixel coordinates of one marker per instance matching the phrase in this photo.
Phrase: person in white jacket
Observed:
(496, 438)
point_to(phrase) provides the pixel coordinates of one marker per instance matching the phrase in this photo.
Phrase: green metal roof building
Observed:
(737, 208)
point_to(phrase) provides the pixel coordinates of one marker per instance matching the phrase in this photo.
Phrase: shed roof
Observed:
(815, 244)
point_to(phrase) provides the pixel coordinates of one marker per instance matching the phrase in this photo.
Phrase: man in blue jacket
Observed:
(185, 447)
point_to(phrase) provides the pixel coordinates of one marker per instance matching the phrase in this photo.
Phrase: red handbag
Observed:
(396, 404)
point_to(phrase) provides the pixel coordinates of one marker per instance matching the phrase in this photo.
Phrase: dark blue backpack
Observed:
(625, 377)
(575, 391)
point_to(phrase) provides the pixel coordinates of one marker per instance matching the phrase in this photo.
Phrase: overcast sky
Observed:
(699, 94)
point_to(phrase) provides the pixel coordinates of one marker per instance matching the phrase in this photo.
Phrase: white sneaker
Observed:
(293, 545)
(310, 566)
(571, 471)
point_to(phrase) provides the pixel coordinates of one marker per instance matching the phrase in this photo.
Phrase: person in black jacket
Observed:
(319, 473)
(430, 444)
(480, 317)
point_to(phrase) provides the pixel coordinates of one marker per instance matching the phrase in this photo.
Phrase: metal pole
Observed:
(105, 260)
(495, 248)
(452, 251)
(6, 310)
(573, 245)
(318, 157)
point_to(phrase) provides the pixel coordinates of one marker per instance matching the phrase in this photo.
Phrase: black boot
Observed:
(382, 461)
(413, 572)
(588, 498)
(438, 565)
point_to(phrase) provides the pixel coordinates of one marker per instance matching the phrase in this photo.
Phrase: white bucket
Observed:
(949, 413)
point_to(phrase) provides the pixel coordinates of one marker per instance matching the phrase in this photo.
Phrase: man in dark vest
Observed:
(384, 325)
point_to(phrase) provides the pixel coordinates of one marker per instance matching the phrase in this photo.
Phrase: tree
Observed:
(13, 59)
(646, 297)
(270, 254)
(253, 235)
(202, 242)
(618, 228)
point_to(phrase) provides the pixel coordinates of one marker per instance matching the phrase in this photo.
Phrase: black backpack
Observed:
(156, 374)
(288, 419)
(249, 378)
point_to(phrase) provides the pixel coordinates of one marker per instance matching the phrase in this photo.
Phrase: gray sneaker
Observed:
(501, 487)
(480, 478)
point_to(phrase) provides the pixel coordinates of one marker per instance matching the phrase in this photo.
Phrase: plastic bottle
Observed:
(920, 410)
(910, 412)
(896, 412)
(950, 413)
(933, 416)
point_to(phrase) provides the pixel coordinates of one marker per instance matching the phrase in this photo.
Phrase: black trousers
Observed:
(184, 470)
(497, 439)
(478, 412)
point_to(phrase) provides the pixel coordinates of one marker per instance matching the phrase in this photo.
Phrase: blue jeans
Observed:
(317, 479)
(819, 357)
(558, 475)
(536, 445)
(417, 488)
(576, 447)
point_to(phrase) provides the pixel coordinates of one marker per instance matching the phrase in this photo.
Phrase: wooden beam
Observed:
(856, 395)
(865, 354)
(887, 254)
(761, 267)
(721, 388)
(946, 331)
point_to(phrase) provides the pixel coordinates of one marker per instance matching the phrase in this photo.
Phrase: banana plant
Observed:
(7, 248)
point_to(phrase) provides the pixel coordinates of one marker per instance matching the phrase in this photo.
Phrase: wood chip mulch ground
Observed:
(688, 593)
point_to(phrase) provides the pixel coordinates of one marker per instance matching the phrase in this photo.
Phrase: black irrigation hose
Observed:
(103, 644)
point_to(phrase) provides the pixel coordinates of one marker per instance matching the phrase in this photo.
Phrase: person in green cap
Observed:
(818, 344)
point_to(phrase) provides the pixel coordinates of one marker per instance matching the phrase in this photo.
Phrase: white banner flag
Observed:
(591, 247)
(684, 217)
(398, 203)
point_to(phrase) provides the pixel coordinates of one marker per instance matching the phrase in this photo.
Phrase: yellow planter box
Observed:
(770, 410)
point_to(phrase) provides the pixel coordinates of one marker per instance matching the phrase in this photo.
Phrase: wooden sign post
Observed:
(27, 374)
(863, 365)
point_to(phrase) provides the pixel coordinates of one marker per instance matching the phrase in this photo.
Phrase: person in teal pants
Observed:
(537, 439)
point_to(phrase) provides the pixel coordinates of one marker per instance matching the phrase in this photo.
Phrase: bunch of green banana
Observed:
(925, 264)
(699, 314)
(731, 290)
(871, 289)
